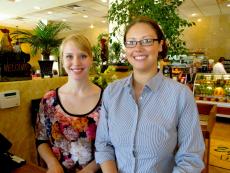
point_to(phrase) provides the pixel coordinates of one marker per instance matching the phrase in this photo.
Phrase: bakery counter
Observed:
(213, 89)
(223, 109)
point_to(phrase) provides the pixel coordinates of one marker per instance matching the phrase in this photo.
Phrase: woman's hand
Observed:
(51, 161)
(92, 167)
(55, 167)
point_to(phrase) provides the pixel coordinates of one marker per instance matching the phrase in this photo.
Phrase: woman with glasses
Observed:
(148, 123)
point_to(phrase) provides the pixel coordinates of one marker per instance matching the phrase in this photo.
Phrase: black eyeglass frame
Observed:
(141, 42)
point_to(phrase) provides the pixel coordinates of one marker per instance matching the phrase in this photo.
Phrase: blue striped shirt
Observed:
(142, 137)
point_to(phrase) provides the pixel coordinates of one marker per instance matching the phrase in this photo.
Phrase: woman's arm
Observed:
(92, 167)
(104, 154)
(109, 167)
(51, 161)
(190, 139)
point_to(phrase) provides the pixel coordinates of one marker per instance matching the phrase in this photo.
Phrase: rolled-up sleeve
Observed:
(104, 147)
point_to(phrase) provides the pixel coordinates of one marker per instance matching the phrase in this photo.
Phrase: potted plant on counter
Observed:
(43, 39)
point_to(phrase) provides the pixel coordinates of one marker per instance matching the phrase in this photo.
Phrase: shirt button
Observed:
(134, 154)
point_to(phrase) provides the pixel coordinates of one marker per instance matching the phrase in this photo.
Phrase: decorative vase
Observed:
(46, 67)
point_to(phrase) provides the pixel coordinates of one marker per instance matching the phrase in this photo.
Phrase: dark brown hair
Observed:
(221, 59)
(155, 27)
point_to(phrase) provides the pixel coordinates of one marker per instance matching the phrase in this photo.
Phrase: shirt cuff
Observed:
(101, 157)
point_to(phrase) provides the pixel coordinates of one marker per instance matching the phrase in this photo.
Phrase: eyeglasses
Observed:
(144, 42)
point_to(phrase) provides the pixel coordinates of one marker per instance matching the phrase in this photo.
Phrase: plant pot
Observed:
(121, 68)
(46, 67)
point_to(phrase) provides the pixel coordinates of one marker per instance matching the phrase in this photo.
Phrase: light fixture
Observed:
(49, 12)
(199, 20)
(37, 7)
(63, 20)
(4, 16)
(228, 5)
(91, 26)
(103, 0)
(103, 21)
(193, 14)
(85, 16)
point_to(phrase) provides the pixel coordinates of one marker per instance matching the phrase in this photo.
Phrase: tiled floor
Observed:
(221, 131)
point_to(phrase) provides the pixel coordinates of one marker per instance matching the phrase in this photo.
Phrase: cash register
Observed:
(8, 161)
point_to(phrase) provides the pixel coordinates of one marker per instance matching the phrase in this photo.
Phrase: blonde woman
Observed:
(67, 118)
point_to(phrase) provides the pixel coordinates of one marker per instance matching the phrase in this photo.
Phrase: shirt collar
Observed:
(154, 83)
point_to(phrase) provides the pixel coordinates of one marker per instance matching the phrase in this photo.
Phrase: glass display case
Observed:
(212, 87)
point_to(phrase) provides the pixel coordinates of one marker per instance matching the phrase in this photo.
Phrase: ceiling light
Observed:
(85, 16)
(228, 5)
(103, 0)
(199, 20)
(4, 16)
(37, 7)
(194, 14)
(49, 12)
(103, 21)
(91, 26)
(63, 20)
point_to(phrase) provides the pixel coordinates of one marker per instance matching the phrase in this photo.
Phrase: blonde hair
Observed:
(80, 41)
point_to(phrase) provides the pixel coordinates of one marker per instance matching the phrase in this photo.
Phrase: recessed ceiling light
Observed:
(103, 21)
(85, 16)
(91, 26)
(4, 16)
(63, 20)
(194, 14)
(199, 20)
(37, 7)
(49, 12)
(228, 5)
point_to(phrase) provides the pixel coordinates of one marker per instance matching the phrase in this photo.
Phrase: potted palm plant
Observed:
(42, 39)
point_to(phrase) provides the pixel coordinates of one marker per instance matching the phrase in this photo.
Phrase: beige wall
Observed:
(211, 35)
(15, 123)
(91, 34)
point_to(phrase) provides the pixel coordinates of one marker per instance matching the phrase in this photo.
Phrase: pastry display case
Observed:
(213, 89)
(227, 65)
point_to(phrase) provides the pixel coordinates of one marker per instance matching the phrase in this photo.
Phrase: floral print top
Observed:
(71, 137)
